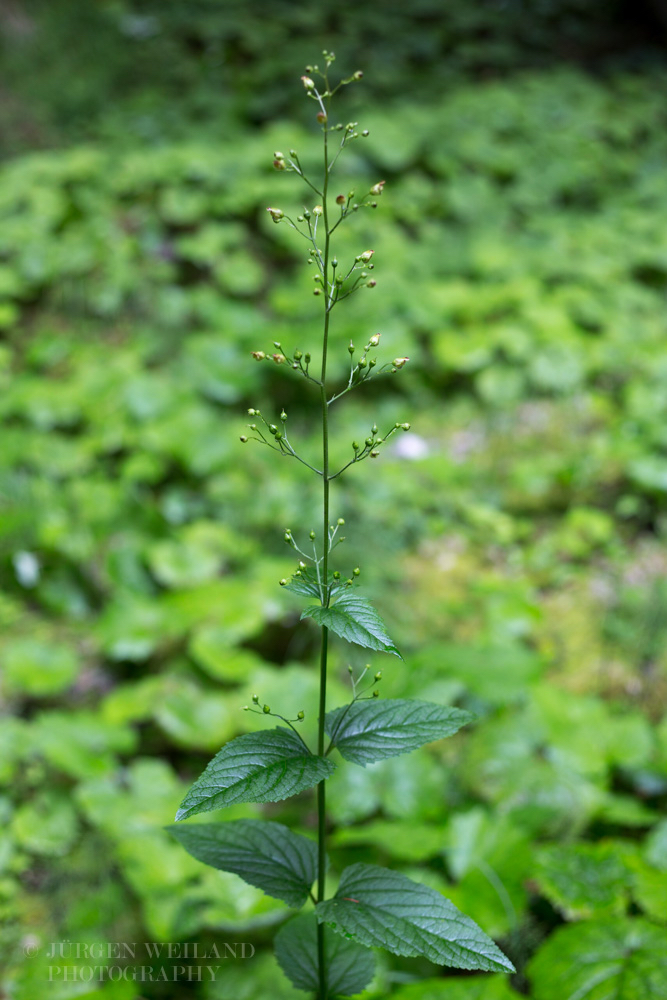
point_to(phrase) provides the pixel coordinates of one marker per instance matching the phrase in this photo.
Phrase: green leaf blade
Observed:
(619, 958)
(355, 620)
(267, 855)
(350, 966)
(367, 731)
(382, 908)
(256, 767)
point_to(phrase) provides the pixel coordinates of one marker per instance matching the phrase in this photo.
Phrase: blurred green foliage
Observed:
(515, 537)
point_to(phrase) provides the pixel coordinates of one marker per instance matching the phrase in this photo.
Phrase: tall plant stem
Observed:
(321, 795)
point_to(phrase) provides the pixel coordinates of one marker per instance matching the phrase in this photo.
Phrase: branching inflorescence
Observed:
(326, 950)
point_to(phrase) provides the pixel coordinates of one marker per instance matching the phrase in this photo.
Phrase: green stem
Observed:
(321, 795)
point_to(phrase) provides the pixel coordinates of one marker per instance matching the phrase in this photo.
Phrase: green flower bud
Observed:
(368, 442)
(278, 435)
(336, 575)
(376, 694)
(297, 355)
(255, 699)
(340, 522)
(283, 416)
(362, 362)
(283, 582)
(312, 536)
(302, 565)
(252, 413)
(356, 571)
(300, 715)
(276, 213)
(273, 429)
(307, 359)
(406, 427)
(243, 438)
(374, 429)
(374, 454)
(266, 710)
(351, 348)
(378, 676)
(355, 446)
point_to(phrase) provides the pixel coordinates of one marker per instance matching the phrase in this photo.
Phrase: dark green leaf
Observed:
(267, 855)
(611, 959)
(382, 908)
(367, 731)
(356, 620)
(350, 965)
(255, 767)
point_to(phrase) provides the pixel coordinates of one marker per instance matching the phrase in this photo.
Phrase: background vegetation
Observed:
(515, 536)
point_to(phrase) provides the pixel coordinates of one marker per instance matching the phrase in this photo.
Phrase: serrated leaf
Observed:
(611, 959)
(366, 731)
(350, 966)
(256, 767)
(356, 620)
(267, 855)
(382, 908)
(582, 879)
(304, 587)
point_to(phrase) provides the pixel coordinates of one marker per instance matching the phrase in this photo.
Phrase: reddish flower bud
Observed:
(321, 117)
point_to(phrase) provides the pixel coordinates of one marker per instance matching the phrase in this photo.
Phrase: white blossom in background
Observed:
(411, 446)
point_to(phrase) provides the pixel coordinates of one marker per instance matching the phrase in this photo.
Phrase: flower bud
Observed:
(374, 429)
(321, 117)
(336, 575)
(307, 358)
(283, 416)
(376, 694)
(378, 676)
(406, 427)
(374, 454)
(356, 571)
(362, 362)
(252, 412)
(300, 716)
(377, 188)
(278, 435)
(308, 83)
(340, 199)
(266, 710)
(255, 699)
(351, 348)
(298, 355)
(371, 284)
(355, 446)
(279, 358)
(399, 362)
(283, 582)
(368, 442)
(279, 165)
(273, 429)
(365, 256)
(243, 438)
(288, 537)
(365, 133)
(302, 564)
(276, 214)
(318, 210)
(358, 75)
(312, 536)
(375, 339)
(258, 355)
(340, 522)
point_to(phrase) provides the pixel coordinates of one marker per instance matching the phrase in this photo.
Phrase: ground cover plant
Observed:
(521, 517)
